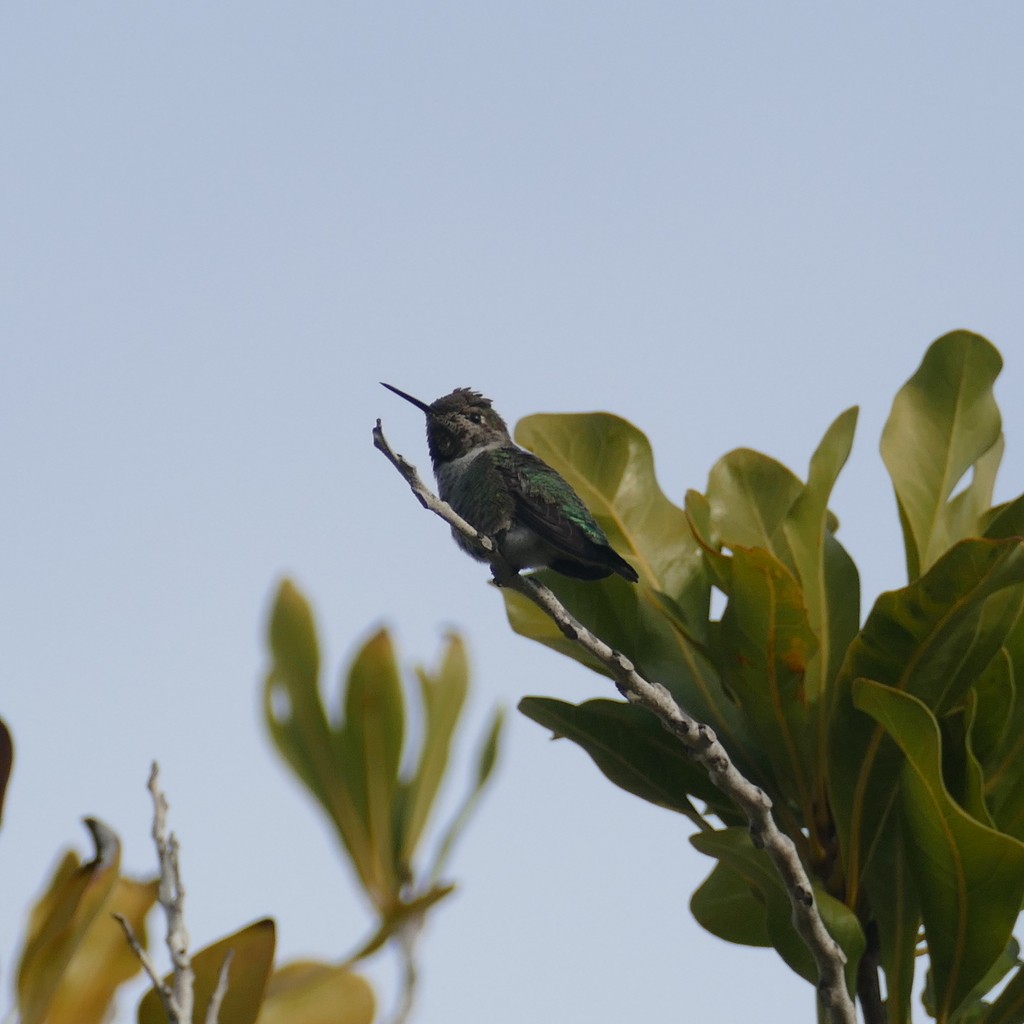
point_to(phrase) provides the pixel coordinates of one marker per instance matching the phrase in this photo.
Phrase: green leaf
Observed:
(1006, 520)
(896, 913)
(921, 640)
(1009, 1007)
(486, 761)
(962, 770)
(312, 993)
(970, 878)
(633, 750)
(103, 960)
(974, 1009)
(639, 627)
(610, 465)
(1002, 753)
(764, 646)
(827, 575)
(488, 758)
(995, 694)
(443, 695)
(61, 919)
(300, 730)
(368, 746)
(944, 421)
(727, 907)
(252, 956)
(734, 849)
(698, 515)
(749, 496)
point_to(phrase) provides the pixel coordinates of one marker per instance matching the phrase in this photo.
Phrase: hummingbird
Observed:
(509, 494)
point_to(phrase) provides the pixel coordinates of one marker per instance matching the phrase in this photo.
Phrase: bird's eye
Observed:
(475, 417)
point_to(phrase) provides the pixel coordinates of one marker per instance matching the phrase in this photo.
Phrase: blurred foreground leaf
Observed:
(61, 918)
(252, 954)
(312, 993)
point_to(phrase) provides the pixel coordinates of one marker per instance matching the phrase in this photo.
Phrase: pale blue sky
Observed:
(223, 223)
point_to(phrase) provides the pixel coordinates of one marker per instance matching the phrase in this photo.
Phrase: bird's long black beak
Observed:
(408, 398)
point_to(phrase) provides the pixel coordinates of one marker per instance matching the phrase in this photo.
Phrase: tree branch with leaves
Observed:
(888, 751)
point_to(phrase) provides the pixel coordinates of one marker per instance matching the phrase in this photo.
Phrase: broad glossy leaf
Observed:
(970, 878)
(733, 848)
(1006, 520)
(961, 768)
(103, 960)
(610, 465)
(369, 751)
(896, 911)
(252, 956)
(974, 1009)
(750, 495)
(313, 993)
(764, 647)
(1004, 756)
(633, 750)
(647, 635)
(443, 694)
(60, 920)
(725, 905)
(1008, 1008)
(944, 421)
(827, 575)
(698, 515)
(917, 640)
(995, 694)
(299, 727)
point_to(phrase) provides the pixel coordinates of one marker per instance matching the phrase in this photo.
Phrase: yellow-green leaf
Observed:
(944, 422)
(312, 993)
(61, 919)
(300, 729)
(765, 644)
(827, 575)
(369, 751)
(103, 960)
(749, 496)
(443, 694)
(487, 758)
(252, 956)
(610, 465)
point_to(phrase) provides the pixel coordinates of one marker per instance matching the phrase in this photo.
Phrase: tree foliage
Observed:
(378, 799)
(890, 748)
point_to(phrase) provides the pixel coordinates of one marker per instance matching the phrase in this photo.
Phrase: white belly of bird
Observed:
(524, 548)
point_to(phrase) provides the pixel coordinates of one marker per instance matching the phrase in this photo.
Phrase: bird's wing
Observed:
(546, 503)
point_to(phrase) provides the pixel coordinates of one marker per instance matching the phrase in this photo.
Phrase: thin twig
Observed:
(144, 958)
(699, 739)
(221, 989)
(172, 899)
(176, 997)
